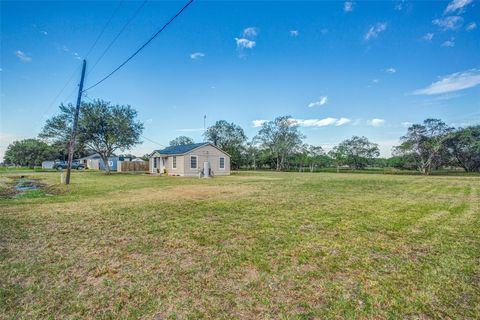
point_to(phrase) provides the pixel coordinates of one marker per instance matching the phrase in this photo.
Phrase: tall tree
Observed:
(316, 157)
(356, 152)
(57, 131)
(102, 127)
(463, 145)
(29, 152)
(180, 141)
(281, 138)
(228, 137)
(424, 144)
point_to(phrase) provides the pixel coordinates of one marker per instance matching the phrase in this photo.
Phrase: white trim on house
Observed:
(196, 161)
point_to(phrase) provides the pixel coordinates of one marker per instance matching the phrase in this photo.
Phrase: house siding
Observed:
(180, 166)
(205, 153)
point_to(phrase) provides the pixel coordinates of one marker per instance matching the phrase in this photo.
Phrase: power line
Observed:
(142, 47)
(103, 29)
(75, 71)
(118, 35)
(162, 145)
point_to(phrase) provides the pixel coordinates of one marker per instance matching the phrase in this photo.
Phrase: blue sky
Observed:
(339, 68)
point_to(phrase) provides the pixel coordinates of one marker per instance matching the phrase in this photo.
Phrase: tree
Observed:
(180, 141)
(29, 152)
(316, 157)
(102, 127)
(281, 138)
(463, 145)
(228, 137)
(356, 152)
(424, 144)
(57, 131)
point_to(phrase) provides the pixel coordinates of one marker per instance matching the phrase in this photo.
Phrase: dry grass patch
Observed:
(251, 246)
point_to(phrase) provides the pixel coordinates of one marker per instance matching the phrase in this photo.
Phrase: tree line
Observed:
(279, 145)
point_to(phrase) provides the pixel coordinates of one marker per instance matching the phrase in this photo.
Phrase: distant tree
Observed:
(29, 152)
(356, 152)
(180, 141)
(424, 144)
(463, 145)
(102, 128)
(400, 162)
(228, 137)
(339, 158)
(250, 155)
(316, 157)
(281, 138)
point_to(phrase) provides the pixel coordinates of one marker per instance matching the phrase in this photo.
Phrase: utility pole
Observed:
(71, 145)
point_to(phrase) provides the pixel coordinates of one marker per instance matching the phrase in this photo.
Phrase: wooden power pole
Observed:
(71, 145)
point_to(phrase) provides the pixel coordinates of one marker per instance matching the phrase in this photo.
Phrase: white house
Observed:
(190, 160)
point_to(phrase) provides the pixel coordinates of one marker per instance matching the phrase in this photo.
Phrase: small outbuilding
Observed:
(190, 160)
(95, 162)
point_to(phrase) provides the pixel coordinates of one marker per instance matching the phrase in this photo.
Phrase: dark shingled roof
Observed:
(181, 149)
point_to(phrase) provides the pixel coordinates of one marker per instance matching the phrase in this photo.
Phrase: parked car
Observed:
(63, 165)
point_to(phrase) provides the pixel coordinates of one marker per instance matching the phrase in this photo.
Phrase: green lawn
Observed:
(251, 246)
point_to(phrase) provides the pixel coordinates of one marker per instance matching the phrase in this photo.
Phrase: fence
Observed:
(132, 166)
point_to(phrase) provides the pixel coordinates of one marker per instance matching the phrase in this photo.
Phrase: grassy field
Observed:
(250, 246)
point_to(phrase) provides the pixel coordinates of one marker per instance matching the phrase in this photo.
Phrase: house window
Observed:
(155, 163)
(174, 163)
(193, 162)
(222, 162)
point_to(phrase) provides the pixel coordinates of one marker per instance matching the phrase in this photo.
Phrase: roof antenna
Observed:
(204, 121)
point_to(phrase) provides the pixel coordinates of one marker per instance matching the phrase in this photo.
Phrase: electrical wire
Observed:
(141, 48)
(103, 29)
(118, 35)
(75, 71)
(162, 145)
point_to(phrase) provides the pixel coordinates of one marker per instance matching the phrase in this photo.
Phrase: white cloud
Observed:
(391, 70)
(452, 82)
(449, 43)
(456, 5)
(406, 124)
(310, 122)
(348, 6)
(322, 101)
(321, 122)
(258, 123)
(251, 32)
(428, 36)
(471, 26)
(375, 30)
(399, 6)
(23, 56)
(197, 55)
(294, 33)
(375, 81)
(245, 43)
(44, 32)
(449, 23)
(376, 122)
(77, 56)
(342, 121)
